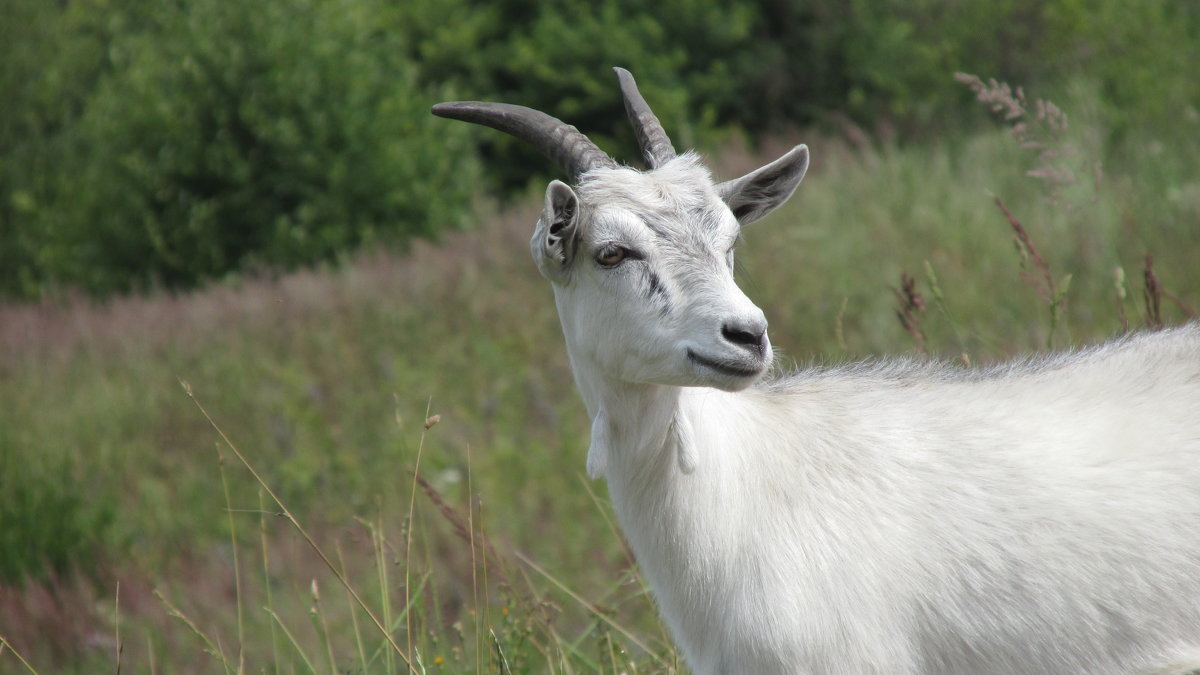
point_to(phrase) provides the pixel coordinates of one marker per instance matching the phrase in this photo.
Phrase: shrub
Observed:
(227, 135)
(177, 142)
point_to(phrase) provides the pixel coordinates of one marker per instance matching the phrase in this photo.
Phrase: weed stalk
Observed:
(299, 528)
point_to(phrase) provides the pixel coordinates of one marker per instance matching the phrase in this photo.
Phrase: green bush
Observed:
(558, 57)
(51, 59)
(889, 61)
(170, 143)
(229, 135)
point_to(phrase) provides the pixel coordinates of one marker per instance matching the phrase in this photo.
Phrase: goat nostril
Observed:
(746, 336)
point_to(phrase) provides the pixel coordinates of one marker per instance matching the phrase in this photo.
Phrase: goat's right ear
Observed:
(554, 240)
(765, 189)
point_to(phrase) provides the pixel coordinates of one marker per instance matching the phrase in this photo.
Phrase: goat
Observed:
(895, 517)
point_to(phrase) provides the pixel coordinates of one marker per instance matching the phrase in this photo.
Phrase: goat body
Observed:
(889, 518)
(903, 518)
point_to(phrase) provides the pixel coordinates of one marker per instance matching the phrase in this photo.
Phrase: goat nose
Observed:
(748, 333)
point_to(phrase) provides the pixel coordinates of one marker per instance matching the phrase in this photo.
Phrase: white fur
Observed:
(889, 518)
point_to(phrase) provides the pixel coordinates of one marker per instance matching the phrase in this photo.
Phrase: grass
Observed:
(418, 496)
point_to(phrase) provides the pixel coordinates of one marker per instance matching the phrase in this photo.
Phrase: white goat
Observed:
(892, 518)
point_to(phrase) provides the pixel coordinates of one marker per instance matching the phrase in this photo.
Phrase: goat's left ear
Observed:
(554, 240)
(765, 189)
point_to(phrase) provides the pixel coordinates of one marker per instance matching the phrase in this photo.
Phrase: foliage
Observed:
(557, 56)
(221, 136)
(50, 65)
(171, 143)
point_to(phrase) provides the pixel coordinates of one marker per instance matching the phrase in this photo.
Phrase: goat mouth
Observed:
(722, 366)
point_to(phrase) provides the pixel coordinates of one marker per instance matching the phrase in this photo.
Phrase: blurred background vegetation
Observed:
(166, 144)
(254, 198)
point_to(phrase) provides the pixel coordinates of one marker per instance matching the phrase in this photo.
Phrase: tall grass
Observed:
(490, 552)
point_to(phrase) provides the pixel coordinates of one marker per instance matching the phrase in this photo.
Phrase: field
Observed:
(415, 415)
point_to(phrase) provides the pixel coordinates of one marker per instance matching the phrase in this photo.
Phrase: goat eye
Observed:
(611, 256)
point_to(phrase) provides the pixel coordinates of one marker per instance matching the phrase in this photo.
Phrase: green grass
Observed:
(324, 380)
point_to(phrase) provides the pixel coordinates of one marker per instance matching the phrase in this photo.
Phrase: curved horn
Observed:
(561, 142)
(656, 146)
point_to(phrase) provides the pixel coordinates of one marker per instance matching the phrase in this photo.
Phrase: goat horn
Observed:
(656, 146)
(559, 141)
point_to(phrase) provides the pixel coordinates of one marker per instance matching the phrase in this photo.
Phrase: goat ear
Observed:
(553, 243)
(763, 190)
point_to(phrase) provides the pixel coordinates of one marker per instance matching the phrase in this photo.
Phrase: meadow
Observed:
(418, 499)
